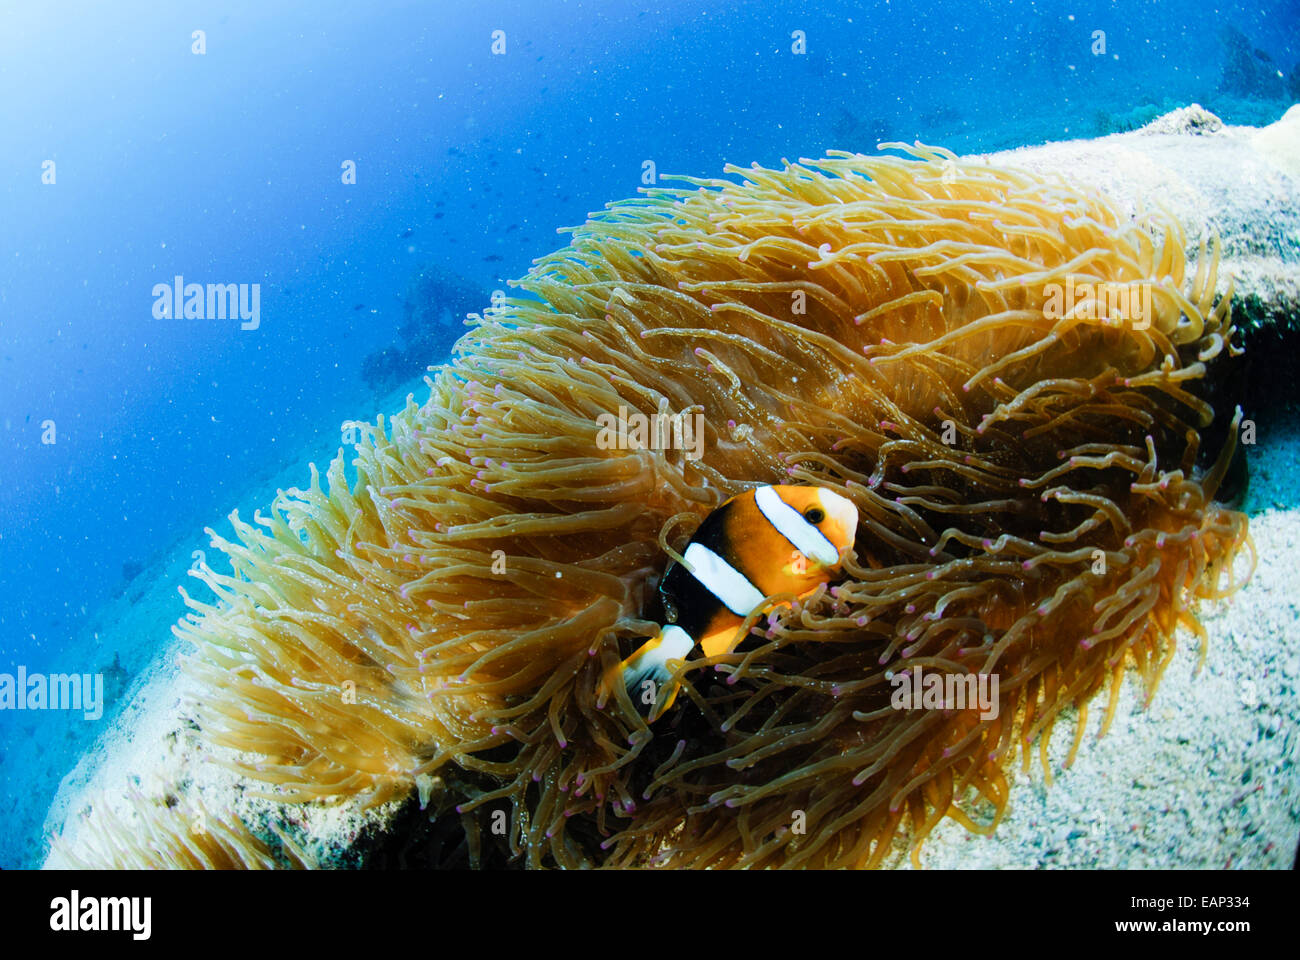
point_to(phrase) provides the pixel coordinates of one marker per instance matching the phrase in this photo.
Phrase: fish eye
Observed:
(814, 514)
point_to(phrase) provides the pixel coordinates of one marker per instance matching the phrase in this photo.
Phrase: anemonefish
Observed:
(770, 540)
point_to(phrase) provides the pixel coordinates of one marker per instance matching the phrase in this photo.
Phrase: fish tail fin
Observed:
(649, 670)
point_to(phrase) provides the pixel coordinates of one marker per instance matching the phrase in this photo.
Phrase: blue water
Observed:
(226, 167)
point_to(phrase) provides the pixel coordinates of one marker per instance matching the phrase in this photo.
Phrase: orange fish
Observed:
(770, 540)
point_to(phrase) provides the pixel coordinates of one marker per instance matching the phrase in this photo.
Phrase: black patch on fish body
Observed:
(695, 606)
(698, 611)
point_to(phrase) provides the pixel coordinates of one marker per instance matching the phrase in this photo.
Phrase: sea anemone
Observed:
(957, 348)
(167, 834)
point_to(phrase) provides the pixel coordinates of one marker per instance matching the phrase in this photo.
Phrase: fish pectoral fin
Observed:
(805, 595)
(726, 639)
(721, 641)
(649, 671)
(801, 566)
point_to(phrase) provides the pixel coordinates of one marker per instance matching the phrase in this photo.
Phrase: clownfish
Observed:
(770, 540)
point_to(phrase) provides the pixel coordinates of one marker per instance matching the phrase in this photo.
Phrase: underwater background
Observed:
(130, 158)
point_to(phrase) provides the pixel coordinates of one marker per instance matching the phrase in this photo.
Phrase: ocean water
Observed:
(365, 174)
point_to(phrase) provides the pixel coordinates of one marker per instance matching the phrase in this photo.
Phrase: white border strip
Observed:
(723, 580)
(807, 539)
